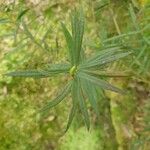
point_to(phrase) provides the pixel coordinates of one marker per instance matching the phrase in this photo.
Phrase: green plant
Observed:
(84, 75)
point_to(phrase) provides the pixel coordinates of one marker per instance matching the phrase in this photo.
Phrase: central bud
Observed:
(73, 70)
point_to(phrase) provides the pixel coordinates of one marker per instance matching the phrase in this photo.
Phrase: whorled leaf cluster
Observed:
(85, 74)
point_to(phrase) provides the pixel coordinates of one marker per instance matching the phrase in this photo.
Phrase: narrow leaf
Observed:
(22, 13)
(71, 116)
(106, 74)
(29, 34)
(90, 92)
(74, 107)
(58, 68)
(69, 42)
(82, 104)
(102, 83)
(104, 59)
(103, 53)
(133, 17)
(29, 73)
(4, 20)
(77, 33)
(59, 98)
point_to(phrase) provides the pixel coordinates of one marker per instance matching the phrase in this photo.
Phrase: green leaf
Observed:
(121, 36)
(4, 20)
(104, 53)
(43, 40)
(71, 116)
(74, 103)
(48, 71)
(91, 94)
(82, 56)
(99, 5)
(29, 34)
(69, 42)
(104, 57)
(101, 83)
(77, 33)
(98, 73)
(29, 73)
(133, 17)
(82, 104)
(58, 68)
(22, 13)
(59, 98)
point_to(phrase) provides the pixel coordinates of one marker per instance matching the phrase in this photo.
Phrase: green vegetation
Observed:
(107, 50)
(84, 71)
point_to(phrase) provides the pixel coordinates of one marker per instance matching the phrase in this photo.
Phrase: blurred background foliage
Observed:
(31, 35)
